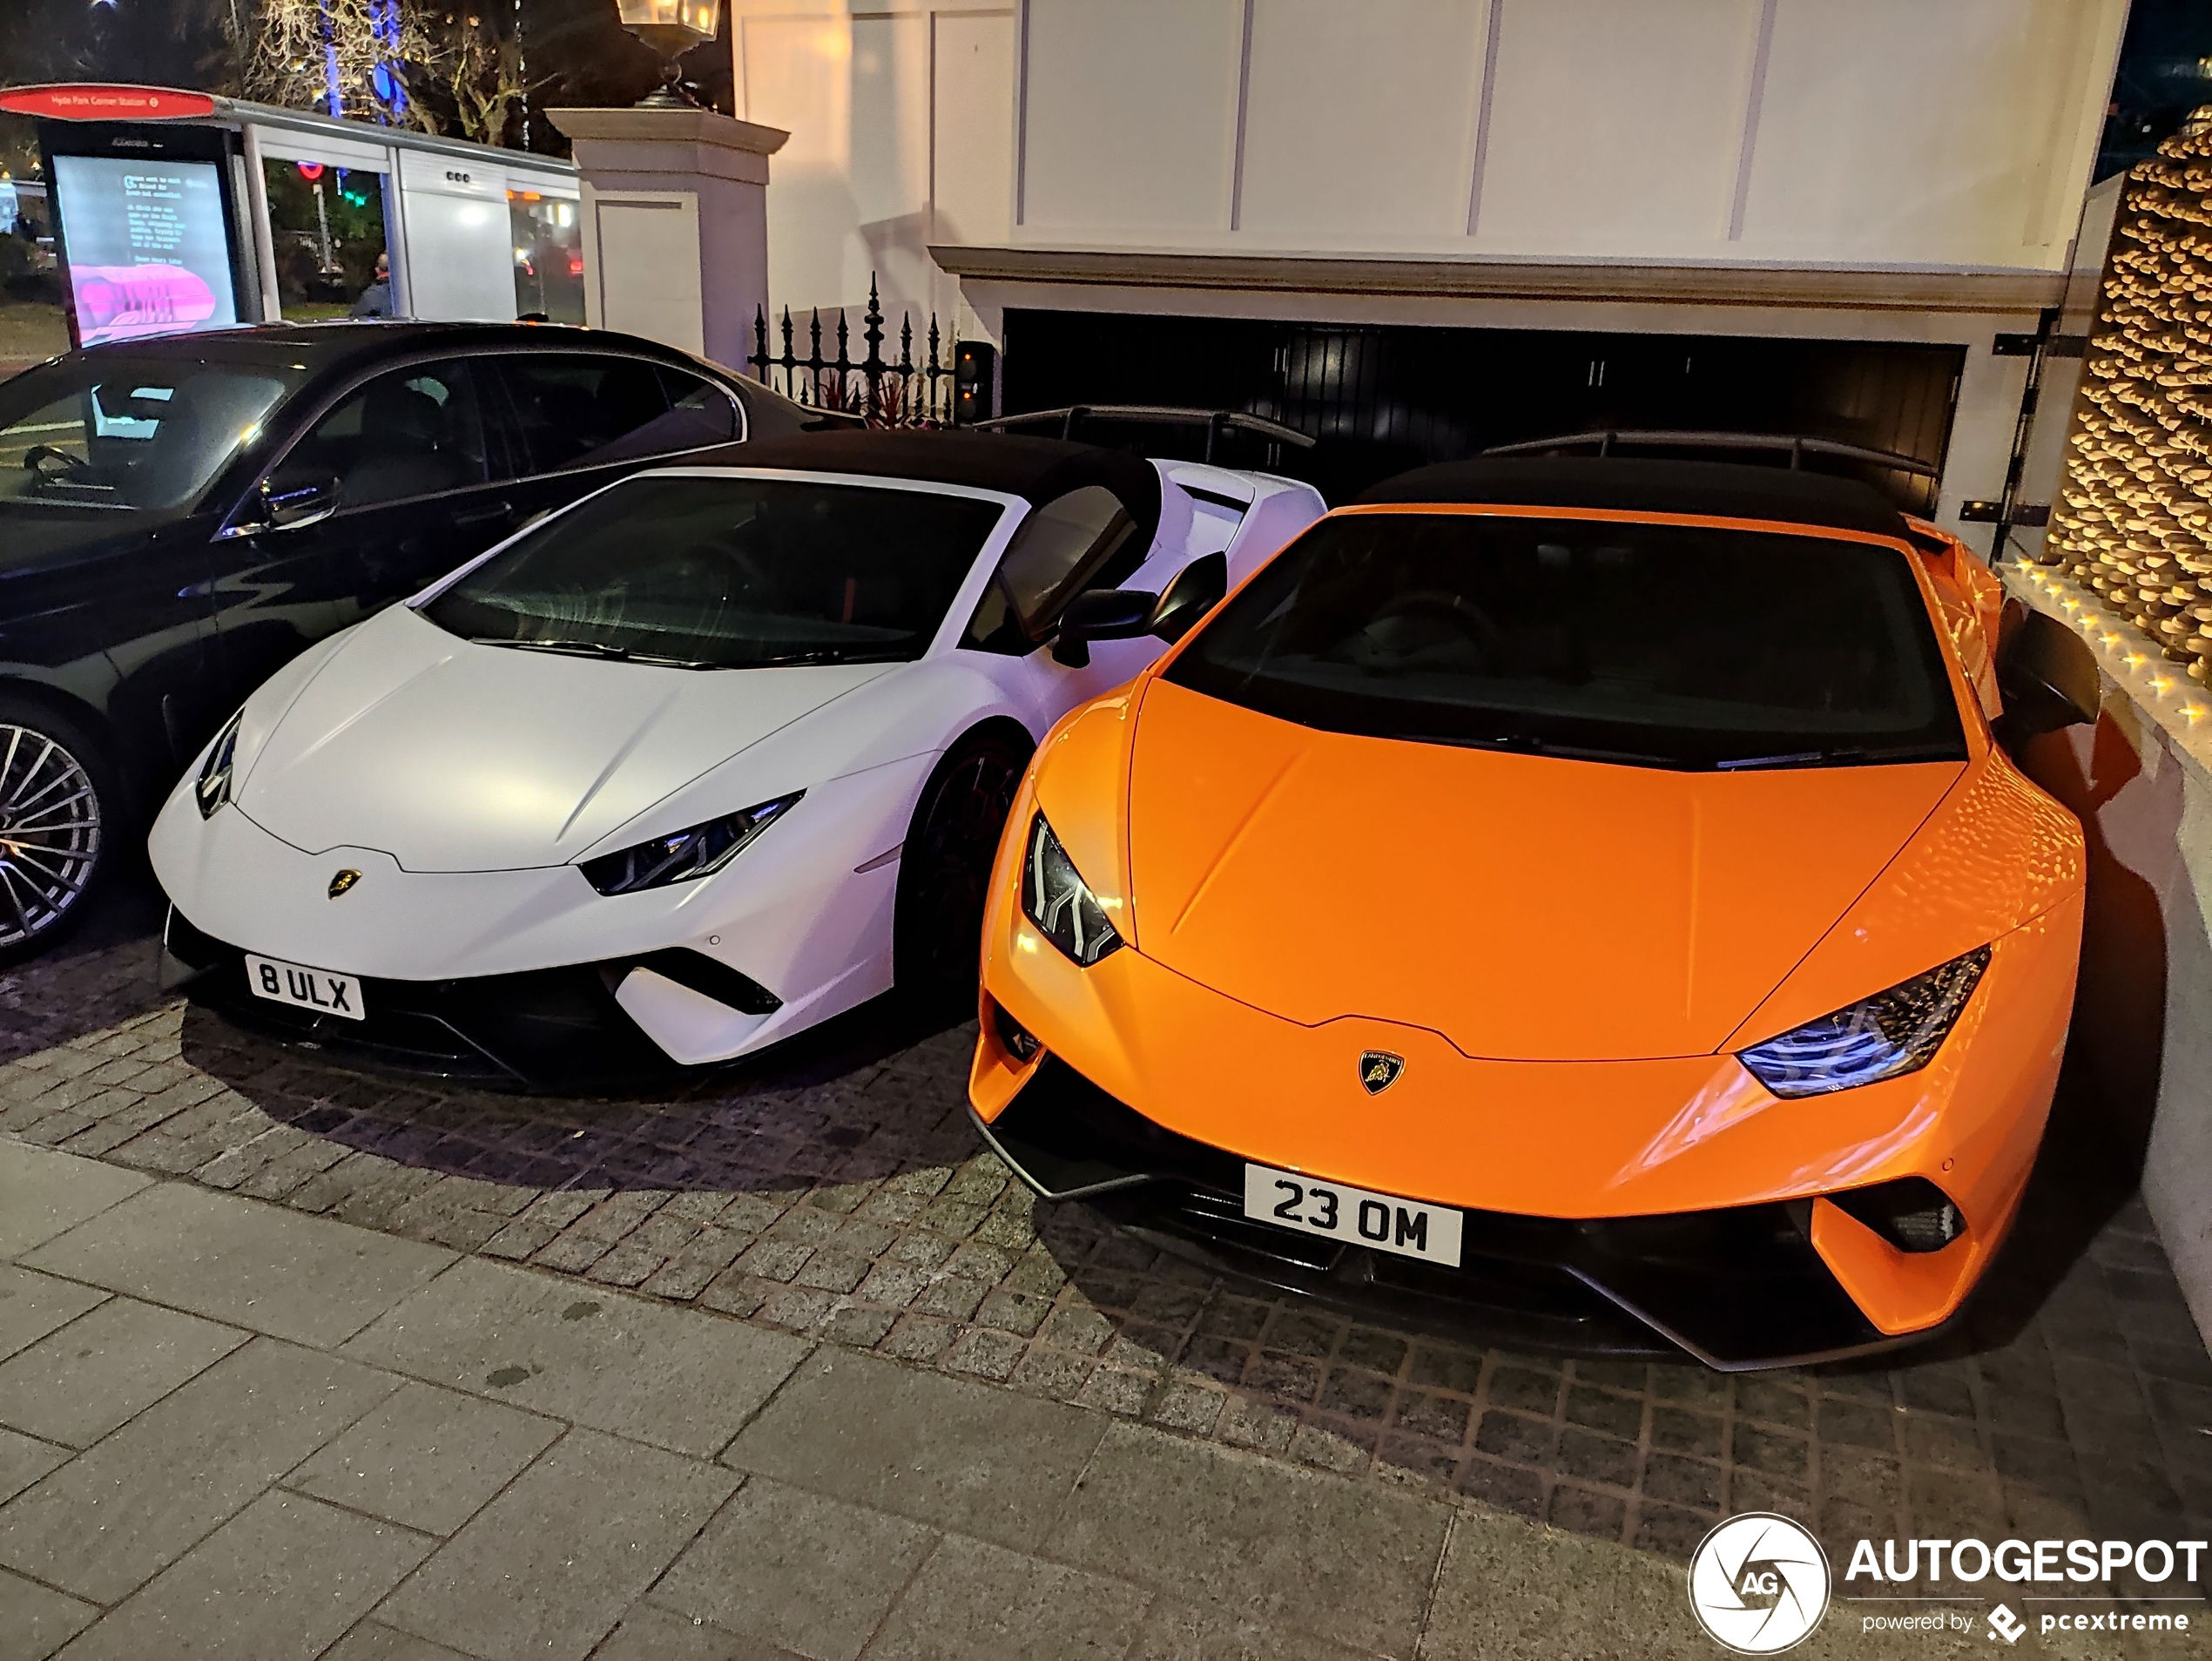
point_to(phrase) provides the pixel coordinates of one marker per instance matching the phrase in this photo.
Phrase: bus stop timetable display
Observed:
(148, 250)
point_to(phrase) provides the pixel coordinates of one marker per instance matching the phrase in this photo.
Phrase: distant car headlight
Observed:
(1057, 899)
(1894, 1032)
(212, 788)
(700, 851)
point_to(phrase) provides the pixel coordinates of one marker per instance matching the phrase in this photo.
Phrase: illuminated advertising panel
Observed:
(148, 246)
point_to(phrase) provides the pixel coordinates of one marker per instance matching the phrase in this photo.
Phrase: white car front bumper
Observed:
(793, 914)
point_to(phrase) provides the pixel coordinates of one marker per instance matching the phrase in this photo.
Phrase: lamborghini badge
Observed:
(1378, 1071)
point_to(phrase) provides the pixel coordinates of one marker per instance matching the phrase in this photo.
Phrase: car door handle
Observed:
(485, 516)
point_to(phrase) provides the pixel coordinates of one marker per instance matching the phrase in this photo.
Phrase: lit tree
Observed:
(351, 57)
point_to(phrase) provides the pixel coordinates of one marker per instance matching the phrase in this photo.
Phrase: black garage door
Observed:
(1384, 399)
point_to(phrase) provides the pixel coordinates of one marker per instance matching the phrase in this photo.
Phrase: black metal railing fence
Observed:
(883, 392)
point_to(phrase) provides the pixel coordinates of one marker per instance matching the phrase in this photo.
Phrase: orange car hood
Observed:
(1526, 907)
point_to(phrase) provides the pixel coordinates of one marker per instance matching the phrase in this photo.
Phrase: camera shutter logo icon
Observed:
(1758, 1583)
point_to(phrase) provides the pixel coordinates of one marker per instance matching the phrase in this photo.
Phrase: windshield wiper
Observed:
(592, 649)
(1845, 755)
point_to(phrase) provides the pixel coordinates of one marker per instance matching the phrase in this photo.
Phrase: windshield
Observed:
(113, 431)
(1655, 646)
(729, 572)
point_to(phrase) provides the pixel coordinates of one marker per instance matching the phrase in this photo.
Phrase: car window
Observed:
(728, 571)
(117, 432)
(699, 414)
(409, 432)
(1650, 645)
(589, 409)
(1079, 540)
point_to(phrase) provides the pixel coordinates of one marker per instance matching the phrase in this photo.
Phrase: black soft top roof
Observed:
(1037, 469)
(1719, 490)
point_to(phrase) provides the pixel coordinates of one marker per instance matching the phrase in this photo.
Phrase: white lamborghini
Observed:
(709, 757)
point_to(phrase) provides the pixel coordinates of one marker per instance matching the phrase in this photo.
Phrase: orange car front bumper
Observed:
(1677, 1190)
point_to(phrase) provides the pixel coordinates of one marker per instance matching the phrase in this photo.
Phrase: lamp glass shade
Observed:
(691, 20)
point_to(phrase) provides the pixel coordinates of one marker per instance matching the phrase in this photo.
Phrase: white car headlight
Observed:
(1057, 899)
(212, 788)
(700, 851)
(1893, 1032)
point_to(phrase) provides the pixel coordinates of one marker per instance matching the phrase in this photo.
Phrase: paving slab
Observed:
(615, 1363)
(1255, 1539)
(429, 1458)
(795, 1568)
(546, 1570)
(649, 1634)
(371, 1641)
(84, 1380)
(32, 1305)
(278, 1582)
(254, 1266)
(35, 1620)
(1508, 1591)
(43, 1193)
(23, 1460)
(977, 1602)
(1179, 1631)
(958, 1454)
(112, 1516)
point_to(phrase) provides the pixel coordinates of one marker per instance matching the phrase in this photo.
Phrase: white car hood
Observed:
(453, 757)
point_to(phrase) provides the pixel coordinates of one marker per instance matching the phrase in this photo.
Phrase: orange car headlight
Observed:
(1057, 899)
(1894, 1032)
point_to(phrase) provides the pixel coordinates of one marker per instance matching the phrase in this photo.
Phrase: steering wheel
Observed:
(1455, 609)
(39, 453)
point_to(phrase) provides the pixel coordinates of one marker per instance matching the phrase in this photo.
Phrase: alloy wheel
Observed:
(50, 833)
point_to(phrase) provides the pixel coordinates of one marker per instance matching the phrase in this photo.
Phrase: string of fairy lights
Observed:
(2133, 525)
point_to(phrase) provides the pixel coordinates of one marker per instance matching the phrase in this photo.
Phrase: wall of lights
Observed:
(2133, 525)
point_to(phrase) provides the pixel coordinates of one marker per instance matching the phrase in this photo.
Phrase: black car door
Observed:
(585, 419)
(391, 487)
(104, 592)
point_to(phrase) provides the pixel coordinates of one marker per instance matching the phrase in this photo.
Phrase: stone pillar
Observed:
(675, 225)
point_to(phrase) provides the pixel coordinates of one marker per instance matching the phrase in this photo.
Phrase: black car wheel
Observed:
(57, 799)
(946, 866)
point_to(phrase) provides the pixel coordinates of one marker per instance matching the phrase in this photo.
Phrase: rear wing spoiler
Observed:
(1797, 445)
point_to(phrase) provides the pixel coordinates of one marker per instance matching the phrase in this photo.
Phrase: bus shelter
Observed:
(173, 211)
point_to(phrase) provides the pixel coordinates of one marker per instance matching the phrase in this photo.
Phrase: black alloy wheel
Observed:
(57, 825)
(946, 866)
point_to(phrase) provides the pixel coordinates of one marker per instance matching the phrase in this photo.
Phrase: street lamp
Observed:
(670, 28)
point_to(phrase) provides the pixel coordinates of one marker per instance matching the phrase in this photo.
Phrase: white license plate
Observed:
(306, 989)
(1331, 1209)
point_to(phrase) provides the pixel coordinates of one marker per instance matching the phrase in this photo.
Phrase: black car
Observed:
(180, 516)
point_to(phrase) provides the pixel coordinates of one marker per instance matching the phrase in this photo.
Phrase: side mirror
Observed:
(2048, 676)
(1200, 587)
(1101, 614)
(301, 502)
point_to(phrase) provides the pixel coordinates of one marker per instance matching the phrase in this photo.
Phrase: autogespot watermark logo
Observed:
(1758, 1583)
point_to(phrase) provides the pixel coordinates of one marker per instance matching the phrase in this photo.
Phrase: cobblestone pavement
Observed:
(836, 1190)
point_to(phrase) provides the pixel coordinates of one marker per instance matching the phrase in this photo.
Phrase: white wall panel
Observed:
(972, 151)
(890, 160)
(798, 76)
(1131, 115)
(1615, 128)
(849, 194)
(1943, 133)
(1360, 118)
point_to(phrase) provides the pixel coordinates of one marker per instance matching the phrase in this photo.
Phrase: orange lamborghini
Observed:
(1586, 902)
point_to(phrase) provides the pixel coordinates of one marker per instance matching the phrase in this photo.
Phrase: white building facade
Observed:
(1879, 171)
